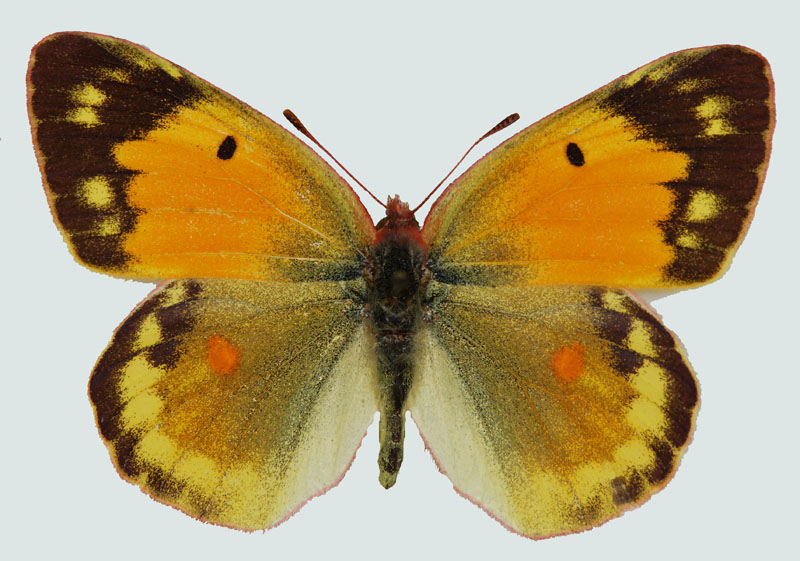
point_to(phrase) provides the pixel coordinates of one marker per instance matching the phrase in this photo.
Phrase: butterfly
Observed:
(547, 391)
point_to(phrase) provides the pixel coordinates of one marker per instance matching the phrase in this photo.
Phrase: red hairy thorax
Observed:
(399, 223)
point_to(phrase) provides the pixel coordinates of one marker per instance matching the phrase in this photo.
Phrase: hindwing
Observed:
(237, 401)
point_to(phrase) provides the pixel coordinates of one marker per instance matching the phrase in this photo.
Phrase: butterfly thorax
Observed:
(396, 275)
(396, 272)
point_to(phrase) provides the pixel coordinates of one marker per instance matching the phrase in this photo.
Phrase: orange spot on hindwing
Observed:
(568, 362)
(223, 356)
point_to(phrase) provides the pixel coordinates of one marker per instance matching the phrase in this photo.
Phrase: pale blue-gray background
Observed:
(397, 92)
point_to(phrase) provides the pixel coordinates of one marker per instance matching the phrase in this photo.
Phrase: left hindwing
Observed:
(554, 408)
(237, 401)
(650, 181)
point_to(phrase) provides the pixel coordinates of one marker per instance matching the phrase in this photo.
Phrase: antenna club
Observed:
(296, 123)
(511, 119)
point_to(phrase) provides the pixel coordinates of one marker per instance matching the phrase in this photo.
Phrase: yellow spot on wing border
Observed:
(639, 339)
(718, 127)
(114, 74)
(198, 471)
(157, 448)
(703, 206)
(614, 301)
(634, 453)
(690, 85)
(85, 116)
(650, 382)
(96, 191)
(137, 375)
(87, 94)
(109, 226)
(149, 332)
(713, 110)
(142, 411)
(175, 294)
(645, 416)
(689, 240)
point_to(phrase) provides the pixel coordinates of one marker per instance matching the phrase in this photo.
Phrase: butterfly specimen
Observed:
(284, 319)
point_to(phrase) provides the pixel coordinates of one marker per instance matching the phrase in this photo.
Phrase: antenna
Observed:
(511, 119)
(292, 118)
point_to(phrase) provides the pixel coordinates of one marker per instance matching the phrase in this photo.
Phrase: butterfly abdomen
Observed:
(396, 276)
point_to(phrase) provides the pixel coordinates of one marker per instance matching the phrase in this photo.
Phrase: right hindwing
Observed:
(554, 408)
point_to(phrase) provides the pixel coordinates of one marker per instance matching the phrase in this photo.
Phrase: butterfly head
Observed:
(399, 222)
(398, 215)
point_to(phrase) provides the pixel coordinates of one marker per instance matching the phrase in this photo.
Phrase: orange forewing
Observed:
(650, 181)
(166, 176)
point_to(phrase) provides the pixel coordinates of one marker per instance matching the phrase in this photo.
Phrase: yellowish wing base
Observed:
(237, 401)
(554, 408)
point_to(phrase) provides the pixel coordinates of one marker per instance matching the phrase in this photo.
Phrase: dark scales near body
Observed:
(396, 275)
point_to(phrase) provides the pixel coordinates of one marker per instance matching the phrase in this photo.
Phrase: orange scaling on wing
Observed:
(568, 362)
(528, 207)
(223, 356)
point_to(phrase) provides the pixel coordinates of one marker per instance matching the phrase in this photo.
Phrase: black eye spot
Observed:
(574, 155)
(227, 148)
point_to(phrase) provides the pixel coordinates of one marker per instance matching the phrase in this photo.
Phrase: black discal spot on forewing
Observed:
(575, 155)
(226, 148)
